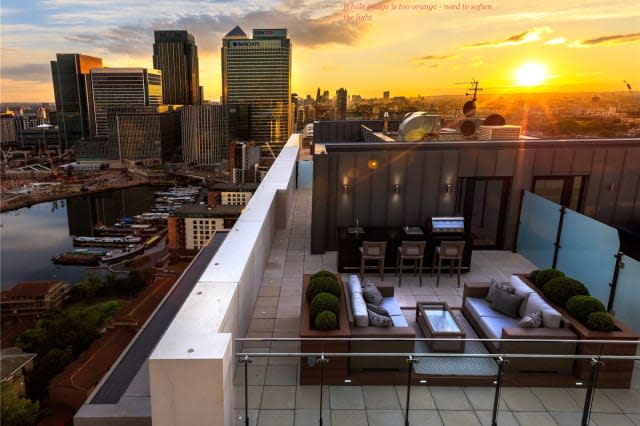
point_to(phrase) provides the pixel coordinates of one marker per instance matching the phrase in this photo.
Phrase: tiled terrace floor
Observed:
(275, 399)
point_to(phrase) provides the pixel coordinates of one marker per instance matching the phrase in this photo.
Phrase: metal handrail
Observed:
(427, 339)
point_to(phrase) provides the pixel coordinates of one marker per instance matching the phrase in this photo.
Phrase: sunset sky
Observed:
(402, 46)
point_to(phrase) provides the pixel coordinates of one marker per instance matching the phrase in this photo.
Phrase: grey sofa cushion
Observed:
(391, 305)
(372, 294)
(399, 321)
(508, 304)
(552, 318)
(359, 310)
(492, 327)
(480, 308)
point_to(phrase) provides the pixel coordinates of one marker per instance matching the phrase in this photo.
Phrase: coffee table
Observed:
(436, 321)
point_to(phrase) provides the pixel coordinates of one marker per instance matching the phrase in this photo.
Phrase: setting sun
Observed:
(531, 74)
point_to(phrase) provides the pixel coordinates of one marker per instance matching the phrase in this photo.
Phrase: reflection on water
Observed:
(32, 235)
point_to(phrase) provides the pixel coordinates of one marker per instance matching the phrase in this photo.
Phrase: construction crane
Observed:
(626, 83)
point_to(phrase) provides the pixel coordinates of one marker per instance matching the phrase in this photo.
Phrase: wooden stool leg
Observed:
(381, 268)
(397, 263)
(362, 268)
(400, 275)
(420, 271)
(439, 268)
(459, 267)
(433, 265)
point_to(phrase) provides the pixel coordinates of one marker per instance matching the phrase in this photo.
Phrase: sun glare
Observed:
(531, 74)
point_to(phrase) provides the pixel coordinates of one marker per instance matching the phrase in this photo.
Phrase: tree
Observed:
(17, 411)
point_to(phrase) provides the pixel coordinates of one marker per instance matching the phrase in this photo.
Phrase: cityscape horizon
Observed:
(509, 48)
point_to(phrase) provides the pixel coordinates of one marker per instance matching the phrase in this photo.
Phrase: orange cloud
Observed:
(612, 40)
(534, 34)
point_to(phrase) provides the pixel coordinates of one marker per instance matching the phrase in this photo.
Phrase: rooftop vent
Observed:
(419, 126)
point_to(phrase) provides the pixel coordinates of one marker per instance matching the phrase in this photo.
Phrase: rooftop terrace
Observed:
(252, 288)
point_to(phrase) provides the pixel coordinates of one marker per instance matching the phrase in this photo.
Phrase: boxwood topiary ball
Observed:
(561, 289)
(326, 320)
(545, 275)
(583, 306)
(533, 274)
(323, 284)
(324, 302)
(600, 321)
(324, 273)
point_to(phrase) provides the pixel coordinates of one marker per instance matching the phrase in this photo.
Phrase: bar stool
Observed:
(373, 250)
(448, 250)
(411, 250)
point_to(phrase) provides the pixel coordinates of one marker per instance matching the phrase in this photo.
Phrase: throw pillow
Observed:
(533, 320)
(378, 310)
(372, 294)
(508, 304)
(496, 286)
(378, 320)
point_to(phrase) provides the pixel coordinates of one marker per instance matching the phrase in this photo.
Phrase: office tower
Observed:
(8, 134)
(152, 137)
(385, 94)
(341, 104)
(257, 72)
(175, 54)
(72, 91)
(204, 133)
(243, 161)
(129, 87)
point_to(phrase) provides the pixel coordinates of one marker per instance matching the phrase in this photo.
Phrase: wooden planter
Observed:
(614, 373)
(338, 367)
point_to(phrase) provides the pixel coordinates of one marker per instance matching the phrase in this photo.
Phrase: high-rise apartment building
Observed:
(257, 71)
(72, 91)
(175, 54)
(341, 104)
(130, 87)
(204, 133)
(243, 162)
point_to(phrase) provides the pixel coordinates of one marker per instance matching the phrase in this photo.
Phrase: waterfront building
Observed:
(192, 226)
(73, 94)
(175, 54)
(130, 87)
(204, 133)
(341, 104)
(32, 298)
(257, 72)
(8, 134)
(243, 160)
(231, 194)
(14, 365)
(151, 137)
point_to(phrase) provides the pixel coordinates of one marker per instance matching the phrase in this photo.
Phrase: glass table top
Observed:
(441, 320)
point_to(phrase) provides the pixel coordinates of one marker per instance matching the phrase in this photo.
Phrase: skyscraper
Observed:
(175, 54)
(204, 133)
(257, 71)
(72, 90)
(130, 87)
(341, 104)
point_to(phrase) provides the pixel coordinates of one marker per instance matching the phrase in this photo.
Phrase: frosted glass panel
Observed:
(587, 253)
(627, 299)
(305, 174)
(538, 229)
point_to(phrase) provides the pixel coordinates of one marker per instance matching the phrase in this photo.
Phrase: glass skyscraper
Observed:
(127, 87)
(175, 54)
(257, 72)
(204, 133)
(72, 91)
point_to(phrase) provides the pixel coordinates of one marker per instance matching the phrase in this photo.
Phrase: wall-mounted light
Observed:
(346, 188)
(396, 188)
(448, 188)
(372, 164)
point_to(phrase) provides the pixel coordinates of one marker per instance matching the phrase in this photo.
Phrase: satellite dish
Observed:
(419, 126)
(494, 120)
(467, 128)
(469, 108)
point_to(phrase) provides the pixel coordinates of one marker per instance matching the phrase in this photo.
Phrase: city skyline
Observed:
(402, 47)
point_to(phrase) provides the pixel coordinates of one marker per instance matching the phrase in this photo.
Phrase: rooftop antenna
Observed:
(469, 108)
(626, 83)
